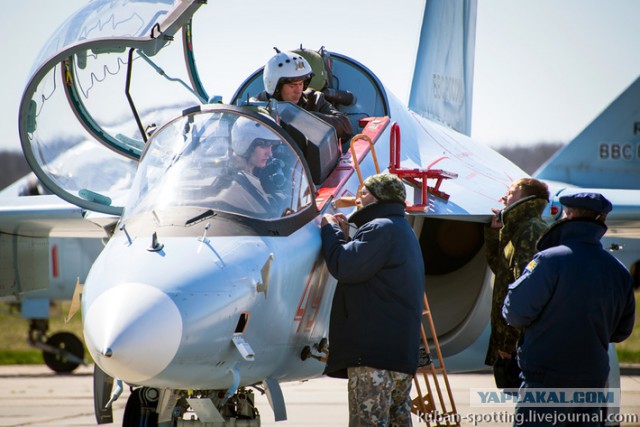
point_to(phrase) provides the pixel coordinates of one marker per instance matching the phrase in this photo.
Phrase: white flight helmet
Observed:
(246, 134)
(285, 67)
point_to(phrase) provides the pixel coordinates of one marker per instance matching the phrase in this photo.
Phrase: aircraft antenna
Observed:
(126, 233)
(127, 92)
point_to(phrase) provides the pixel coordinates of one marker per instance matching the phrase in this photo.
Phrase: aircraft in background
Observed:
(197, 300)
(606, 156)
(40, 268)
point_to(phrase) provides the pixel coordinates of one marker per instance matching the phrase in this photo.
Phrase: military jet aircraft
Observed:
(206, 290)
(41, 268)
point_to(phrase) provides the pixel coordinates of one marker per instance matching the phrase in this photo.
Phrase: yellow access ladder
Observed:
(430, 404)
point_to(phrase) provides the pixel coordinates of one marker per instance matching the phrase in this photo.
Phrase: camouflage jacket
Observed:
(508, 251)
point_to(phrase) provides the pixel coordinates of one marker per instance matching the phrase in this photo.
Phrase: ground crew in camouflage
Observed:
(510, 243)
(365, 383)
(376, 312)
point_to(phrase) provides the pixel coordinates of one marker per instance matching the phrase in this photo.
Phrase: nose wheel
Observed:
(141, 408)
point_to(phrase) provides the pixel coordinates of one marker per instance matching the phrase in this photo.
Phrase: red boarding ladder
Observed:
(416, 177)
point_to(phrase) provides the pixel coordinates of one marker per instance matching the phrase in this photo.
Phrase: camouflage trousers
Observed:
(379, 398)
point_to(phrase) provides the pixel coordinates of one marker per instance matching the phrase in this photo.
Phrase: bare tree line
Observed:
(530, 158)
(13, 165)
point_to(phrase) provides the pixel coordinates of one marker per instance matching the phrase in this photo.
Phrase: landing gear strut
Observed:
(62, 352)
(194, 409)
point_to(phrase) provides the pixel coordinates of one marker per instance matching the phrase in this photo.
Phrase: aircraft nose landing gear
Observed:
(141, 408)
(191, 409)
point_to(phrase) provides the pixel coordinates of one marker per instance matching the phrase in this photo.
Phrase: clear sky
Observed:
(544, 68)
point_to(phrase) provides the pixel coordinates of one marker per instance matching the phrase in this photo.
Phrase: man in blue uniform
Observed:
(572, 300)
(374, 334)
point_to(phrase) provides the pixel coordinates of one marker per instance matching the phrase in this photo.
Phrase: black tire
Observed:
(134, 415)
(64, 341)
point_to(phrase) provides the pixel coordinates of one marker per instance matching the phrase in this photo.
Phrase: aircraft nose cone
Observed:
(133, 331)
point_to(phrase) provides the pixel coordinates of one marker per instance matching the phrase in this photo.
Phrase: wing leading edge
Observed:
(44, 216)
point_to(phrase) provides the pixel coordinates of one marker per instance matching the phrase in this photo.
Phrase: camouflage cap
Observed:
(386, 187)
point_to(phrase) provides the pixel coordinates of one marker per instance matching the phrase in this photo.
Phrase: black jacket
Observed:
(377, 306)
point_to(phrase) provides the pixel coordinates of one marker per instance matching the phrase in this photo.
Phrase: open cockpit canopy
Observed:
(117, 71)
(77, 111)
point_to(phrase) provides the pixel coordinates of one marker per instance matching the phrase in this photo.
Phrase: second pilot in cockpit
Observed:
(251, 184)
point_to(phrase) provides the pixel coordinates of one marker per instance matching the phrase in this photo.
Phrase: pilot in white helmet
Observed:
(252, 143)
(286, 77)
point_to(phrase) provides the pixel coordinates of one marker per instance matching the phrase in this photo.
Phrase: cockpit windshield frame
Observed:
(227, 159)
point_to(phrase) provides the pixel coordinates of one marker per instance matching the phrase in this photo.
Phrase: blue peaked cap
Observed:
(592, 201)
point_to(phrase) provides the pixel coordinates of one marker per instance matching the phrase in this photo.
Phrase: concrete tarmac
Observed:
(35, 396)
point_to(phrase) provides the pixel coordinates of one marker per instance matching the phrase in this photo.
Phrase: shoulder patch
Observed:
(532, 264)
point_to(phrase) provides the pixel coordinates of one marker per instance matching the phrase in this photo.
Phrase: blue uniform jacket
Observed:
(377, 306)
(573, 299)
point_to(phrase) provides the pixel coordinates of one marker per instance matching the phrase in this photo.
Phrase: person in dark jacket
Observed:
(376, 314)
(573, 299)
(510, 243)
(286, 77)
